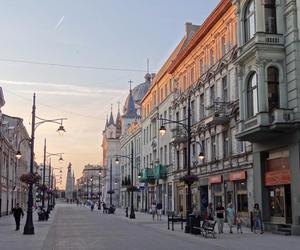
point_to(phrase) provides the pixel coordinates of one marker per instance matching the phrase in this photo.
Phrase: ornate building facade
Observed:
(268, 78)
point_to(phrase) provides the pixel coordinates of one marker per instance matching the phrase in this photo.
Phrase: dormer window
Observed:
(249, 21)
(270, 16)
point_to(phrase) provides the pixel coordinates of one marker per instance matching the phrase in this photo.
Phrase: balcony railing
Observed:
(147, 174)
(160, 171)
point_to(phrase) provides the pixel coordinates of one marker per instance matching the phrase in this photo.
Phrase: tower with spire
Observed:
(69, 183)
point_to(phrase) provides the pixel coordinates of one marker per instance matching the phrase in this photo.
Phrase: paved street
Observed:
(78, 228)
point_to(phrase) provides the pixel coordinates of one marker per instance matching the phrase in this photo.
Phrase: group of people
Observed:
(156, 209)
(233, 218)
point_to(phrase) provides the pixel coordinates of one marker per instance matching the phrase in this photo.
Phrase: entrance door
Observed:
(203, 199)
(288, 204)
(277, 204)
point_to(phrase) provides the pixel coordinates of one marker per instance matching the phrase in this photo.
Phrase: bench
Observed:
(207, 227)
(175, 219)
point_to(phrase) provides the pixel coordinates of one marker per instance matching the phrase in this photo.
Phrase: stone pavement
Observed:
(15, 240)
(78, 228)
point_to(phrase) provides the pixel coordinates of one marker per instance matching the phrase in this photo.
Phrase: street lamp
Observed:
(18, 155)
(29, 227)
(132, 214)
(186, 124)
(99, 201)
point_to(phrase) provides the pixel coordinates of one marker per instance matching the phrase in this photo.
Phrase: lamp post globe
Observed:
(162, 130)
(61, 130)
(201, 156)
(18, 155)
(117, 161)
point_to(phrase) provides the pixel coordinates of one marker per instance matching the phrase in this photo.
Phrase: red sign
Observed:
(279, 177)
(215, 179)
(237, 176)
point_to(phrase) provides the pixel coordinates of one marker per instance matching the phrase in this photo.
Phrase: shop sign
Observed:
(280, 177)
(215, 179)
(237, 176)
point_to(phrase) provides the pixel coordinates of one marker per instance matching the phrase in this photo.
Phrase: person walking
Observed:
(153, 209)
(239, 223)
(220, 217)
(18, 212)
(92, 206)
(159, 210)
(230, 216)
(257, 219)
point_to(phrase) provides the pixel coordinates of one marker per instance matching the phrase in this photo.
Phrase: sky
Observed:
(109, 40)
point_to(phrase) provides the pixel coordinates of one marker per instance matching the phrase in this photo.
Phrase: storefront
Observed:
(239, 194)
(278, 183)
(216, 189)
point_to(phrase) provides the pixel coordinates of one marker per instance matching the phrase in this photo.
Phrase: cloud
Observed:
(65, 89)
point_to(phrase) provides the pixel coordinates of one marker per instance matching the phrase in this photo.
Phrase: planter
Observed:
(30, 178)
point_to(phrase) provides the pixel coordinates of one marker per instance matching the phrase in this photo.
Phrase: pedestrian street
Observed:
(76, 227)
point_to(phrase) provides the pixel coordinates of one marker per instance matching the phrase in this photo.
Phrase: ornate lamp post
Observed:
(29, 227)
(99, 194)
(132, 214)
(185, 124)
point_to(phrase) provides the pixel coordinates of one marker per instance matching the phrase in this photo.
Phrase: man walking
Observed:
(220, 217)
(17, 212)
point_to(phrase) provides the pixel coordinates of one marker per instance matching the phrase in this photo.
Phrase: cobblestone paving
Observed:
(78, 228)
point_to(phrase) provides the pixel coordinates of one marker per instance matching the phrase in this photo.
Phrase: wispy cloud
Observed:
(64, 89)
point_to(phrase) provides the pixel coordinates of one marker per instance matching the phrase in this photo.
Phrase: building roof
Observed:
(137, 94)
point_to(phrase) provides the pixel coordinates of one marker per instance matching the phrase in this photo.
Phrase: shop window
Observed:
(270, 16)
(216, 188)
(252, 97)
(242, 197)
(217, 199)
(242, 203)
(249, 20)
(273, 88)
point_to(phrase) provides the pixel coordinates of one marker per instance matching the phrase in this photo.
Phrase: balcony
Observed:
(267, 125)
(179, 135)
(160, 171)
(261, 40)
(218, 113)
(147, 175)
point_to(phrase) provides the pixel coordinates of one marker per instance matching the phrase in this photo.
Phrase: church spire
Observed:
(130, 110)
(111, 118)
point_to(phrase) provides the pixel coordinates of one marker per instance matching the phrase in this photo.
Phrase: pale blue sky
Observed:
(111, 34)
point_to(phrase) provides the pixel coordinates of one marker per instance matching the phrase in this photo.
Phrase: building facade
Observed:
(268, 78)
(110, 148)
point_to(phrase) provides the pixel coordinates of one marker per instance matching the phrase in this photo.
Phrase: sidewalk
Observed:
(16, 240)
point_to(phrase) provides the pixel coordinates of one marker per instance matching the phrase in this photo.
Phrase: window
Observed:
(273, 88)
(201, 68)
(212, 57)
(166, 90)
(165, 154)
(184, 158)
(213, 148)
(270, 16)
(184, 82)
(252, 100)
(194, 159)
(170, 85)
(193, 116)
(212, 94)
(161, 94)
(192, 75)
(225, 89)
(250, 21)
(201, 106)
(225, 144)
(223, 46)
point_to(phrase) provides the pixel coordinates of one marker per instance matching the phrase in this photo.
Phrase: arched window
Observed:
(270, 16)
(273, 88)
(252, 101)
(250, 20)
